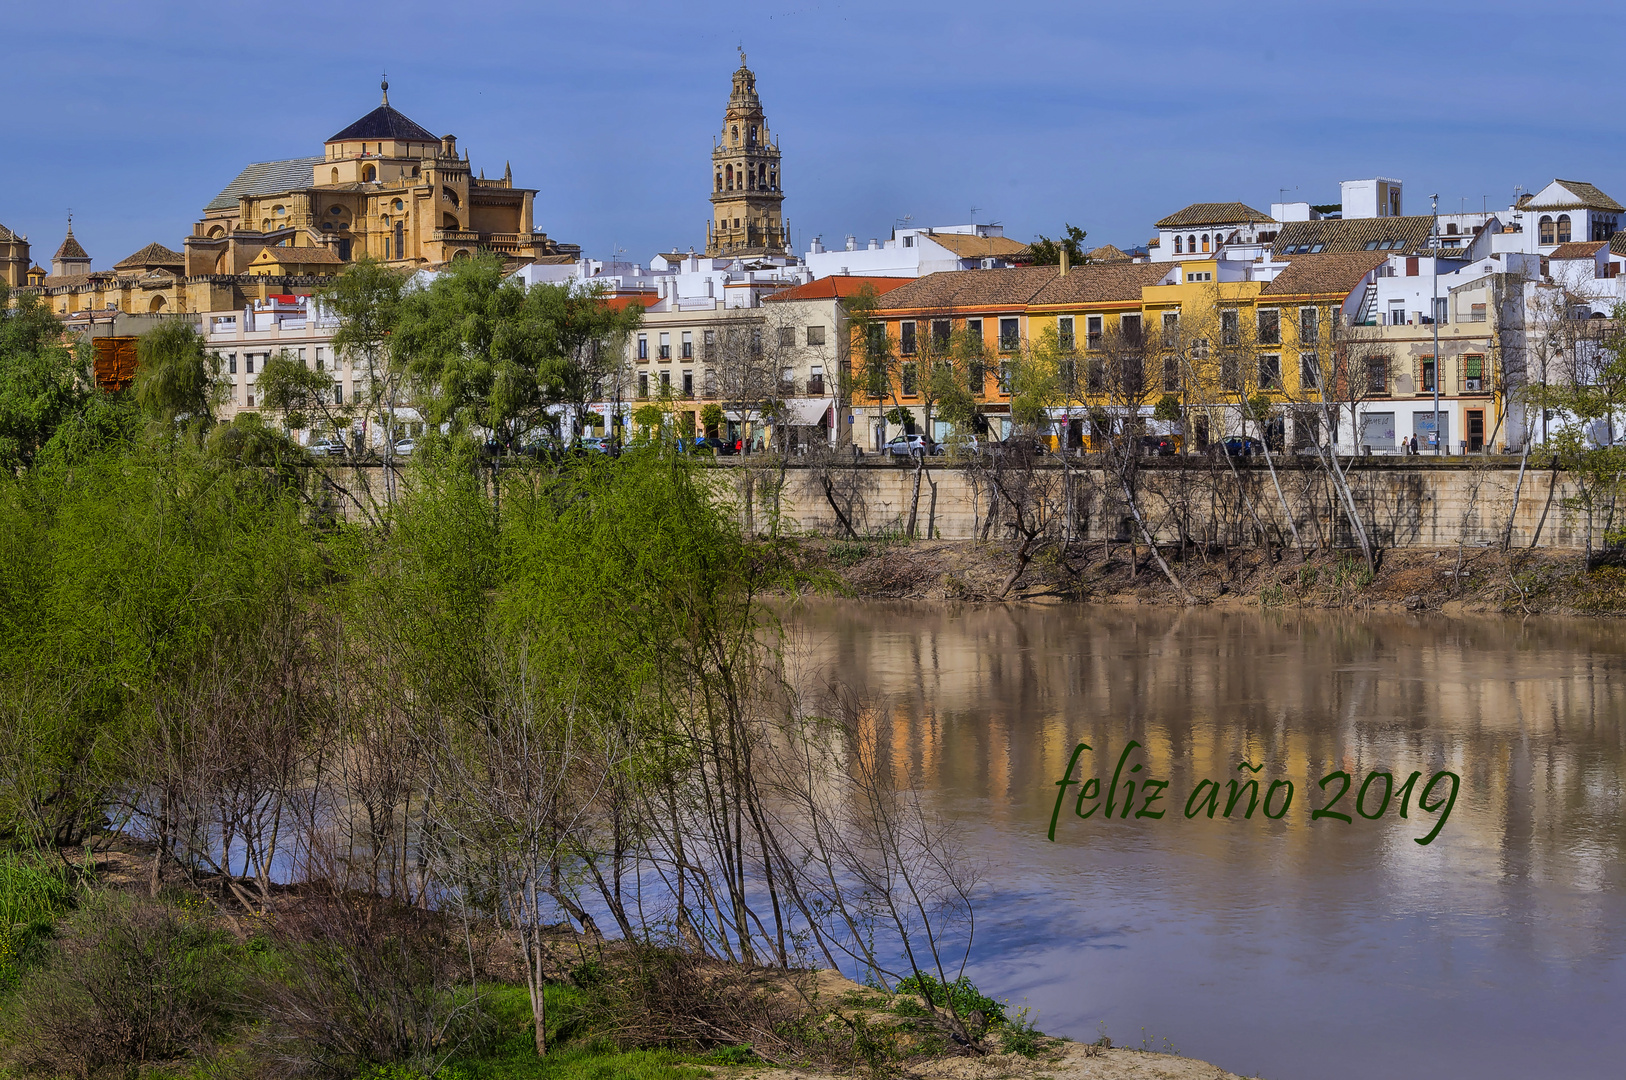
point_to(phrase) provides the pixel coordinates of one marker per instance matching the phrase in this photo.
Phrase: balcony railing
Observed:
(815, 386)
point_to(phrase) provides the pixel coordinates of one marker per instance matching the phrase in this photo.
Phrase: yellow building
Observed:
(385, 187)
(14, 258)
(1111, 341)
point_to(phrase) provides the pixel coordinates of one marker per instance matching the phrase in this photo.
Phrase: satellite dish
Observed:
(1405, 386)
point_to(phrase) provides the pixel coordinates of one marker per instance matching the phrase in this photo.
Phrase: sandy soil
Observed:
(1072, 1061)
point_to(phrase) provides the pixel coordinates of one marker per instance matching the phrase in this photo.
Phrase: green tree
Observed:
(177, 379)
(490, 354)
(1047, 252)
(43, 381)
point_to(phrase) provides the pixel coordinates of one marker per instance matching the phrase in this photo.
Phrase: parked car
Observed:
(1240, 446)
(1159, 445)
(596, 444)
(1017, 444)
(404, 447)
(909, 445)
(326, 448)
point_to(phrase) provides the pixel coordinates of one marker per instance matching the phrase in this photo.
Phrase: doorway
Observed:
(1476, 430)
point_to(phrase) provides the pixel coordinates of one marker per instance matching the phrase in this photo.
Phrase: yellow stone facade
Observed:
(746, 194)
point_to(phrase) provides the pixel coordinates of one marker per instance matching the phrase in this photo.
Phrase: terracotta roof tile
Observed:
(967, 246)
(70, 248)
(837, 287)
(154, 254)
(1586, 195)
(1104, 282)
(1213, 213)
(1580, 249)
(1617, 244)
(1107, 253)
(1021, 286)
(1309, 275)
(1405, 235)
(300, 256)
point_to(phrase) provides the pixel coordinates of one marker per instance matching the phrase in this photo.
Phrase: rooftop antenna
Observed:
(974, 210)
(1282, 192)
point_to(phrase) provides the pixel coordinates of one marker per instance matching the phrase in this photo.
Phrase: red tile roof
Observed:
(1579, 249)
(1336, 272)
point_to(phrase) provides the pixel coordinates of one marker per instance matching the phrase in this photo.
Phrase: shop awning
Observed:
(808, 412)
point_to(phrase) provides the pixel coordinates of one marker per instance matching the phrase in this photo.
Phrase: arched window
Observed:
(368, 174)
(719, 181)
(736, 134)
(730, 171)
(460, 253)
(335, 176)
(773, 180)
(1177, 250)
(1563, 228)
(1205, 241)
(1546, 229)
(448, 221)
(753, 134)
(1191, 244)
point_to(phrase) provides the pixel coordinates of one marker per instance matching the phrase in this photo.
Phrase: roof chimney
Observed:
(1064, 260)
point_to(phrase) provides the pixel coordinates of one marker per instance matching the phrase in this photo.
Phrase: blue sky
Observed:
(1107, 116)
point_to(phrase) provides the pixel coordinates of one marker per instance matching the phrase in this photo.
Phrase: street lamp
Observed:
(1434, 314)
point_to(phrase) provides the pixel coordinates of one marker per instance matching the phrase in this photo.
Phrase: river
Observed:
(1288, 947)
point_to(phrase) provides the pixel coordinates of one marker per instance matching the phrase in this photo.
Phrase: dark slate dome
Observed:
(385, 122)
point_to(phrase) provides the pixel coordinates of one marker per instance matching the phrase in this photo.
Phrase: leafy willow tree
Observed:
(178, 379)
(43, 381)
(487, 353)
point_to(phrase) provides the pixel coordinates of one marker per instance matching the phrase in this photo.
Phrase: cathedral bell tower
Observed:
(745, 192)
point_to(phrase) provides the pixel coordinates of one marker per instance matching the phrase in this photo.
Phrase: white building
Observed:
(917, 252)
(296, 325)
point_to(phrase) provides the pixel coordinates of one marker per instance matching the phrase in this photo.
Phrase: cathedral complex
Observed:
(746, 196)
(384, 187)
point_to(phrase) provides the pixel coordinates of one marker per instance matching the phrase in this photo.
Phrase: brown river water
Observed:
(1283, 946)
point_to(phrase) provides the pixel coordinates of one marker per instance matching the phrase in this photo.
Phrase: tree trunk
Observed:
(1552, 486)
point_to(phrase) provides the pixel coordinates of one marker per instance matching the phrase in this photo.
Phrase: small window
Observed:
(973, 330)
(1171, 328)
(1230, 327)
(666, 380)
(1563, 228)
(815, 335)
(643, 347)
(1473, 374)
(666, 345)
(708, 341)
(338, 393)
(248, 363)
(1171, 374)
(910, 379)
(1427, 372)
(1309, 371)
(1309, 326)
(231, 361)
(906, 338)
(1177, 250)
(1006, 371)
(688, 384)
(643, 384)
(1546, 230)
(1092, 330)
(942, 331)
(1270, 327)
(1230, 373)
(1130, 326)
(688, 344)
(976, 378)
(1377, 375)
(1009, 335)
(787, 335)
(1064, 333)
(1270, 372)
(1477, 313)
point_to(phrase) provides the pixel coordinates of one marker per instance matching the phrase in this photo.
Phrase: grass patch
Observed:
(33, 894)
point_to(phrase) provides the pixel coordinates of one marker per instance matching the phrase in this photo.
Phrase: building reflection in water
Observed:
(1522, 890)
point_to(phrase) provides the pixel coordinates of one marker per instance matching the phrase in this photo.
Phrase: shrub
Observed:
(130, 982)
(961, 995)
(361, 983)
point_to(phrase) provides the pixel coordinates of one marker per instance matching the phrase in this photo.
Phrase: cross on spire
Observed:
(385, 86)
